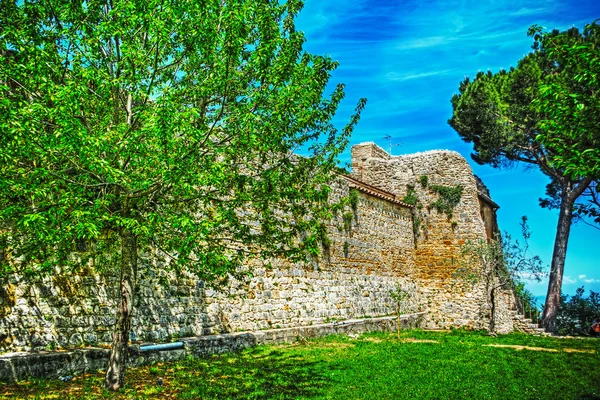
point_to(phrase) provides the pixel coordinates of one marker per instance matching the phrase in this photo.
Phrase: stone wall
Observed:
(375, 248)
(367, 258)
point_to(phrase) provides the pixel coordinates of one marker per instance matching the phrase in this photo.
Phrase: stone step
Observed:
(541, 332)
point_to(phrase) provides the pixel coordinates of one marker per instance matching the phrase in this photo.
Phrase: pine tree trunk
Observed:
(118, 356)
(558, 263)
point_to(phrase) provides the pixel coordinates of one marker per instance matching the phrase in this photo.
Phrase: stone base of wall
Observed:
(18, 366)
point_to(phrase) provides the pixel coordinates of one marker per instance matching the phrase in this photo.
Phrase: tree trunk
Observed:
(493, 310)
(558, 262)
(398, 322)
(118, 356)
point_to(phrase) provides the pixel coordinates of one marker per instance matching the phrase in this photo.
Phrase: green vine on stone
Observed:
(347, 217)
(449, 197)
(353, 200)
(416, 222)
(412, 199)
(323, 237)
(411, 196)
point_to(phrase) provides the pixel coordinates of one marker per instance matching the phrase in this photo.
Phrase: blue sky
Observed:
(408, 57)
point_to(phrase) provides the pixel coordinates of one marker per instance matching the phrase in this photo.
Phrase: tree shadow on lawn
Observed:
(254, 374)
(269, 375)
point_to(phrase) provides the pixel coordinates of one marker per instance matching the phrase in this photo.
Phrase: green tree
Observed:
(577, 313)
(405, 299)
(136, 125)
(570, 98)
(512, 116)
(500, 264)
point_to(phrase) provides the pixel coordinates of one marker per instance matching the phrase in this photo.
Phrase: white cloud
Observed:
(424, 42)
(397, 76)
(525, 12)
(568, 279)
(584, 278)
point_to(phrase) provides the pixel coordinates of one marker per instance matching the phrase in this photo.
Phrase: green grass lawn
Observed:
(421, 365)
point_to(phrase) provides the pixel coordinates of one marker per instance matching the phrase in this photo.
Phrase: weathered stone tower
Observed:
(440, 234)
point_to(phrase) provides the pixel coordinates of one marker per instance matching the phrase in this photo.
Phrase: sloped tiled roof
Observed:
(374, 191)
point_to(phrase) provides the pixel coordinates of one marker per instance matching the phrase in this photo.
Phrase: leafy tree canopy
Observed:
(542, 112)
(569, 98)
(171, 125)
(577, 313)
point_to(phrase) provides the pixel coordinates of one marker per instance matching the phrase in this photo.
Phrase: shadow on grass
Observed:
(269, 375)
(257, 374)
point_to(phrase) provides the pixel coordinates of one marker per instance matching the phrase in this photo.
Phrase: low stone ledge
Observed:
(18, 366)
(15, 367)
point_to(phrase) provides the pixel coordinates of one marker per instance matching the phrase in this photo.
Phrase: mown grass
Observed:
(419, 365)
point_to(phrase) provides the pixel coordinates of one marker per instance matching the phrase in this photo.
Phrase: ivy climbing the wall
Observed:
(352, 201)
(348, 217)
(321, 233)
(448, 198)
(411, 196)
(412, 199)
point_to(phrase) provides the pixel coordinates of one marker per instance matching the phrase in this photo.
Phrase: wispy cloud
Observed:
(526, 12)
(423, 42)
(406, 76)
(586, 279)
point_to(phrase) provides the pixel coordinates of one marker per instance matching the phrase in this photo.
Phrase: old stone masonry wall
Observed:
(429, 179)
(370, 253)
(375, 247)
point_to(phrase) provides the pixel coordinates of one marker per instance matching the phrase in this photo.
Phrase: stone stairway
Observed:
(526, 325)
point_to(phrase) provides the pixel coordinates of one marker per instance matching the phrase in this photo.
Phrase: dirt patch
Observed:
(334, 345)
(372, 340)
(411, 340)
(518, 347)
(579, 351)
